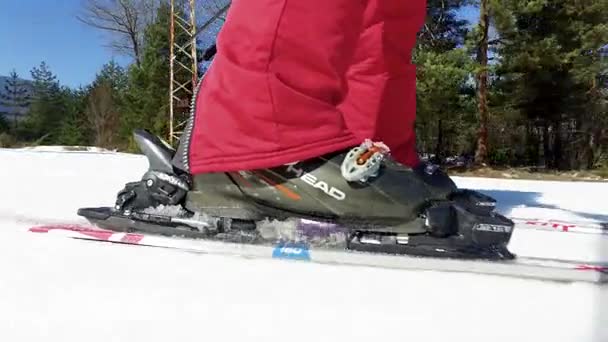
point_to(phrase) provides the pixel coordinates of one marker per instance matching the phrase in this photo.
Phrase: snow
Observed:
(570, 201)
(68, 149)
(60, 289)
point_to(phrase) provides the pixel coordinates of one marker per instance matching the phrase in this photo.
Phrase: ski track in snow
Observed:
(60, 289)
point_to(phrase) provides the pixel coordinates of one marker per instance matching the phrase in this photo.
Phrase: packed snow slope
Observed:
(57, 289)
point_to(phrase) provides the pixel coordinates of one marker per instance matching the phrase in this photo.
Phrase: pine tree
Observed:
(445, 102)
(47, 106)
(481, 153)
(45, 82)
(113, 74)
(15, 96)
(74, 128)
(551, 62)
(4, 125)
(445, 110)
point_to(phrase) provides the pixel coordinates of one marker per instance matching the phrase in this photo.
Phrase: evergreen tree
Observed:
(47, 106)
(45, 82)
(147, 93)
(445, 110)
(445, 102)
(551, 62)
(74, 128)
(15, 96)
(4, 125)
(481, 152)
(115, 75)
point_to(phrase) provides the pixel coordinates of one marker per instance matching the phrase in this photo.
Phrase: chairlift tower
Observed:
(183, 59)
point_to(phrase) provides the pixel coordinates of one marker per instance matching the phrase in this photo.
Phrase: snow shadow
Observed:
(507, 200)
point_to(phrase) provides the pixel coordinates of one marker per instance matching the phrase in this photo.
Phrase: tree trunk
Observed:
(589, 151)
(136, 50)
(481, 154)
(439, 146)
(558, 161)
(547, 159)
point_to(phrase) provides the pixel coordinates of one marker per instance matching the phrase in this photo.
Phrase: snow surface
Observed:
(67, 149)
(60, 289)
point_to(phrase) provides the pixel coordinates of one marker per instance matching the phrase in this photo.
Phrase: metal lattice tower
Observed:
(183, 61)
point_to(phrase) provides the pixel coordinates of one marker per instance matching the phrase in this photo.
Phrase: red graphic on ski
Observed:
(104, 235)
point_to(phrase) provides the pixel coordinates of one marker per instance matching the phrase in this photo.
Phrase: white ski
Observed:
(522, 267)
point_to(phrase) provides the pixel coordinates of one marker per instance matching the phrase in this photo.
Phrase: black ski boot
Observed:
(380, 205)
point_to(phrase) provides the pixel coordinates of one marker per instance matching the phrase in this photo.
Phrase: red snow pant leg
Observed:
(271, 96)
(381, 99)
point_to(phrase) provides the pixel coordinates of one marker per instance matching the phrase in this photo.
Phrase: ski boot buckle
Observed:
(363, 162)
(155, 188)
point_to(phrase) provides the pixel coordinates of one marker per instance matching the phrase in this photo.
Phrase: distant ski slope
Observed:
(65, 290)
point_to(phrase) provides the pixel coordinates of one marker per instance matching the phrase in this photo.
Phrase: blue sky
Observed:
(32, 31)
(469, 13)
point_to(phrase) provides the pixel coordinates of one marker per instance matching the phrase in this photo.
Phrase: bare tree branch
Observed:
(123, 20)
(102, 115)
(210, 15)
(218, 14)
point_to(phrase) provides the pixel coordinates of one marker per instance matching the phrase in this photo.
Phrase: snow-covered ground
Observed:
(60, 289)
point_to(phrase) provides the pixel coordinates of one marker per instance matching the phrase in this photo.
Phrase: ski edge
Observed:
(520, 268)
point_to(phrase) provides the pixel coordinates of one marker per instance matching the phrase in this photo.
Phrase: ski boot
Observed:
(380, 204)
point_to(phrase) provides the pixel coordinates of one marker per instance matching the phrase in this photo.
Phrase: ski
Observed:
(598, 228)
(520, 267)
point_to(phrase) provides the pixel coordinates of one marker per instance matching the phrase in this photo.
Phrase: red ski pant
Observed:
(296, 79)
